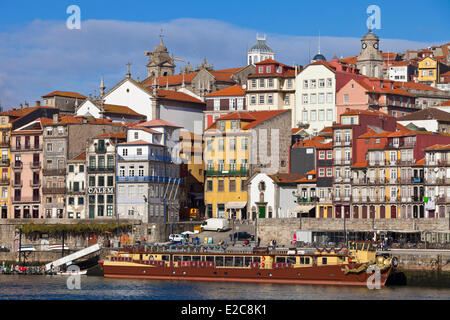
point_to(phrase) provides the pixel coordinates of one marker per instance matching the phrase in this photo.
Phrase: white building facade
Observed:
(315, 98)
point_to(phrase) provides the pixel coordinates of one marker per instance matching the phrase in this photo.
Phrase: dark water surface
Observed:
(27, 287)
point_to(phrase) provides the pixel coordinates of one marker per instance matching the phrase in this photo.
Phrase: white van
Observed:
(215, 224)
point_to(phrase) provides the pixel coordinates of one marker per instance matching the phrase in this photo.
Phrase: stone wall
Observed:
(283, 229)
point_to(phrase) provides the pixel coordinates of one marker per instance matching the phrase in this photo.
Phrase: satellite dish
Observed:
(244, 86)
(436, 169)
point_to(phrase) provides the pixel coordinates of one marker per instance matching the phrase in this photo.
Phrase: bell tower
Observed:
(160, 63)
(370, 60)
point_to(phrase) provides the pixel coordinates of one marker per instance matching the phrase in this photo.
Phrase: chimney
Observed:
(55, 118)
(26, 104)
(21, 106)
(38, 103)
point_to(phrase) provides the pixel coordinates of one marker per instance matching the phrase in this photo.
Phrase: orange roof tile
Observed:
(120, 135)
(65, 94)
(360, 164)
(414, 86)
(121, 110)
(438, 147)
(178, 96)
(230, 91)
(420, 162)
(253, 117)
(157, 123)
(140, 142)
(81, 156)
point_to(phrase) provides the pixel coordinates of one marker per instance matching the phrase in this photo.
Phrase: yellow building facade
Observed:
(5, 167)
(428, 71)
(227, 170)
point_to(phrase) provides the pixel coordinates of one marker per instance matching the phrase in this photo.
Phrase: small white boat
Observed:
(26, 248)
(72, 273)
(57, 247)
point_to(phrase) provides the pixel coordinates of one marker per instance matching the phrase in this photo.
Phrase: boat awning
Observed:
(236, 204)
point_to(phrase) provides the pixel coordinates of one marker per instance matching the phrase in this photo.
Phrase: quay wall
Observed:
(282, 230)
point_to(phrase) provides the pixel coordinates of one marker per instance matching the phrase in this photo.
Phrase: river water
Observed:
(27, 287)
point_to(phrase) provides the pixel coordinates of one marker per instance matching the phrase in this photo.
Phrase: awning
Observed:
(236, 205)
(303, 208)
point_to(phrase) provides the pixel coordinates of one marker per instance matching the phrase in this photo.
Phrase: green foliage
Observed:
(32, 229)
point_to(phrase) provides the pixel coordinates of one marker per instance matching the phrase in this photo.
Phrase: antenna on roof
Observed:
(319, 42)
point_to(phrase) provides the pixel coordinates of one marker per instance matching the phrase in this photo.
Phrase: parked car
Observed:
(176, 237)
(242, 236)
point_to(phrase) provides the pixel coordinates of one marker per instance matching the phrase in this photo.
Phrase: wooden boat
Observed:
(344, 266)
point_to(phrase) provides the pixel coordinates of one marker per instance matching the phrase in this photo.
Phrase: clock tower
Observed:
(370, 60)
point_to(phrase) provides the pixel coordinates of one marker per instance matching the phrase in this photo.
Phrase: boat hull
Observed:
(317, 275)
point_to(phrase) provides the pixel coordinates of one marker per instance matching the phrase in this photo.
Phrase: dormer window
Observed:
(269, 69)
(260, 69)
(279, 69)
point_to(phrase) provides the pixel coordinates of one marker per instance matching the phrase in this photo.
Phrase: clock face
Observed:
(364, 45)
(375, 45)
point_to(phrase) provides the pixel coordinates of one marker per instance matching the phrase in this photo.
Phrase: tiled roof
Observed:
(138, 142)
(438, 147)
(254, 117)
(290, 73)
(400, 64)
(178, 96)
(353, 112)
(271, 61)
(17, 113)
(427, 114)
(65, 94)
(286, 177)
(121, 110)
(360, 164)
(120, 135)
(138, 127)
(230, 91)
(220, 75)
(81, 156)
(315, 143)
(420, 162)
(157, 123)
(444, 104)
(349, 60)
(414, 86)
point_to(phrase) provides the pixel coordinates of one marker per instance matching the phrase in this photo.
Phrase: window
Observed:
(305, 116)
(329, 172)
(305, 84)
(71, 168)
(124, 152)
(253, 99)
(313, 98)
(209, 145)
(49, 147)
(221, 145)
(109, 211)
(287, 99)
(329, 82)
(232, 104)
(346, 98)
(321, 83)
(110, 180)
(322, 154)
(221, 165)
(232, 187)
(269, 99)
(139, 151)
(321, 172)
(289, 83)
(110, 198)
(101, 181)
(321, 97)
(329, 97)
(261, 83)
(233, 165)
(91, 181)
(313, 115)
(270, 83)
(232, 144)
(305, 99)
(209, 186)
(313, 84)
(216, 104)
(243, 184)
(254, 83)
(240, 103)
(221, 186)
(329, 114)
(321, 115)
(244, 144)
(329, 154)
(261, 99)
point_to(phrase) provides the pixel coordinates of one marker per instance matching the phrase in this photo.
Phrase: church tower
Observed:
(160, 63)
(370, 60)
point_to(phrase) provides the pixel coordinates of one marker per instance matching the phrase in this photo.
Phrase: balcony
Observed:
(307, 200)
(54, 172)
(338, 162)
(27, 147)
(5, 163)
(100, 169)
(73, 191)
(442, 200)
(444, 163)
(241, 172)
(54, 190)
(4, 181)
(26, 199)
(442, 181)
(417, 179)
(17, 183)
(145, 157)
(36, 165)
(149, 179)
(5, 143)
(35, 183)
(100, 150)
(17, 165)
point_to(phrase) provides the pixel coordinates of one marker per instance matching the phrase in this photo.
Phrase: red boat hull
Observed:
(322, 275)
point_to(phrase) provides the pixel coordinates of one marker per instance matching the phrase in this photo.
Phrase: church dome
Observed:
(319, 57)
(260, 47)
(370, 36)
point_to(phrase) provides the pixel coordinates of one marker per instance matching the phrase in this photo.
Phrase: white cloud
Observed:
(44, 55)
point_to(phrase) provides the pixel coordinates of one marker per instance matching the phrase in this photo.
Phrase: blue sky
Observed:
(38, 54)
